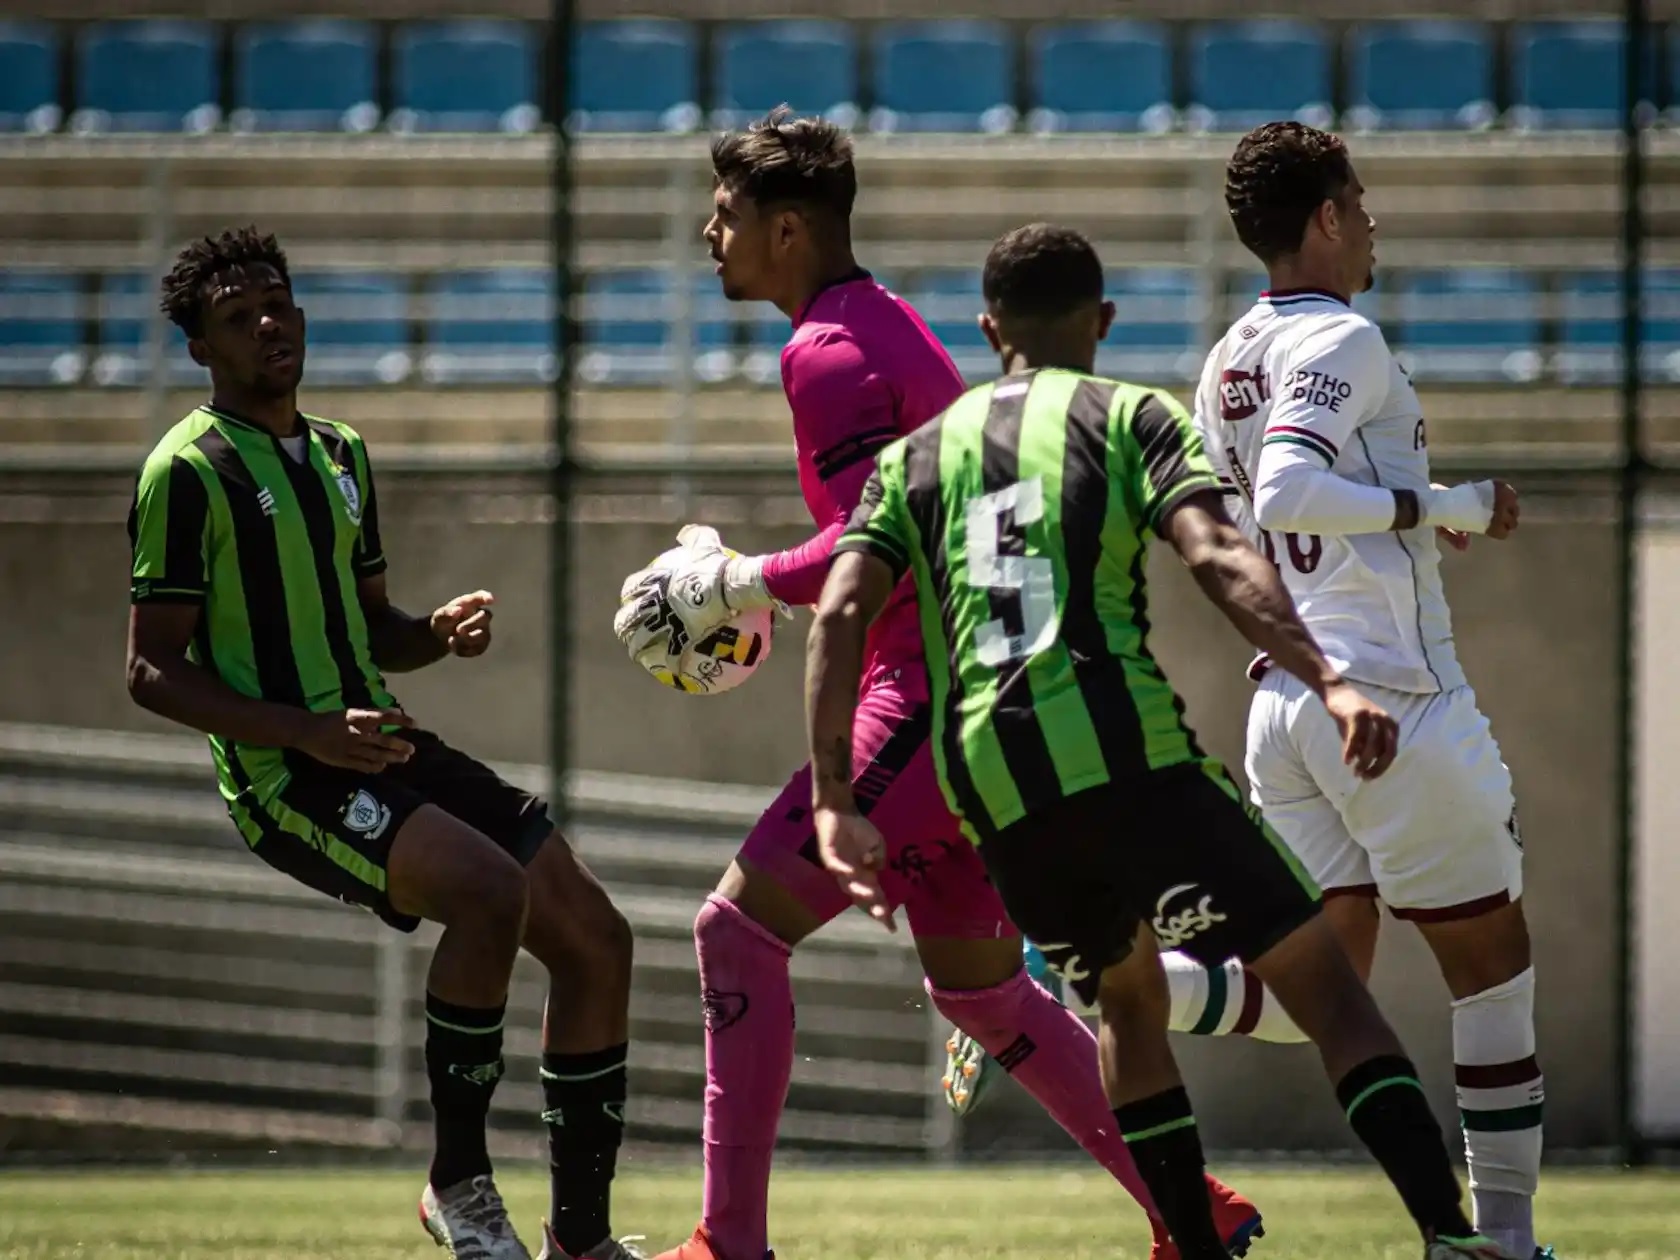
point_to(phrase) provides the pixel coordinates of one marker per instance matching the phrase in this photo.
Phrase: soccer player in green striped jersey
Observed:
(1023, 516)
(260, 617)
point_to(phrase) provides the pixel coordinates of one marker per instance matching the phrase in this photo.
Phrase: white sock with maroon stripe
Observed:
(1227, 1000)
(1500, 1096)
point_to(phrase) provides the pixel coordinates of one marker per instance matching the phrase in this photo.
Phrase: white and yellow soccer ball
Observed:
(657, 638)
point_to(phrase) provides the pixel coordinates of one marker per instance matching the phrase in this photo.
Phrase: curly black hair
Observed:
(781, 159)
(1277, 179)
(1041, 272)
(200, 263)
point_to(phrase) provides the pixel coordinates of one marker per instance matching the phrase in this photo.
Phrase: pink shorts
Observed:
(933, 872)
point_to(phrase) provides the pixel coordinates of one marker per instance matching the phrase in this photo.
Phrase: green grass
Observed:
(815, 1215)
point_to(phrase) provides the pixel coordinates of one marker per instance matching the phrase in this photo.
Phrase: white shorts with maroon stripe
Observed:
(1435, 837)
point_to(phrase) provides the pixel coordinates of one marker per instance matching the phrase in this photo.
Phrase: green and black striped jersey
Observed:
(271, 546)
(1024, 513)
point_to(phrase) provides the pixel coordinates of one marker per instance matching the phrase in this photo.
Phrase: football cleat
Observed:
(969, 1070)
(1238, 1221)
(701, 1247)
(607, 1249)
(1475, 1247)
(470, 1222)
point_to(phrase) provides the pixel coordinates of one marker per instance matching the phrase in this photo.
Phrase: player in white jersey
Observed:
(1322, 441)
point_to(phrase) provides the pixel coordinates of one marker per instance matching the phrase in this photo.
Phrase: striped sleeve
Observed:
(368, 557)
(880, 526)
(167, 525)
(1334, 379)
(1170, 462)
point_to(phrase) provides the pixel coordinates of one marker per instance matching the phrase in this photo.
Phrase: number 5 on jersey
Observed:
(1032, 578)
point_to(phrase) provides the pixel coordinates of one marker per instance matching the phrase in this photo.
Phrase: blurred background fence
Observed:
(160, 990)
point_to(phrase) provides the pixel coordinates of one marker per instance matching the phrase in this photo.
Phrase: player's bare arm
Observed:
(402, 642)
(162, 680)
(857, 589)
(1248, 590)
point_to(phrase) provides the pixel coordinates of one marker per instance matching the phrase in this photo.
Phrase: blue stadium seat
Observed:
(951, 76)
(41, 328)
(491, 326)
(1421, 76)
(1155, 337)
(949, 301)
(466, 76)
(148, 76)
(306, 76)
(126, 307)
(1101, 76)
(1243, 74)
(358, 327)
(629, 329)
(810, 66)
(635, 76)
(1572, 75)
(29, 77)
(1590, 328)
(1470, 324)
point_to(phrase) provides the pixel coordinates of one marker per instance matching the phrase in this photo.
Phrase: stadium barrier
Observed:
(155, 977)
(671, 368)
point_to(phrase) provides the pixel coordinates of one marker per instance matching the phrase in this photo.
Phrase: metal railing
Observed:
(149, 963)
(664, 362)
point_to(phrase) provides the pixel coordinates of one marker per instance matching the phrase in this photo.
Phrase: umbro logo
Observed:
(265, 500)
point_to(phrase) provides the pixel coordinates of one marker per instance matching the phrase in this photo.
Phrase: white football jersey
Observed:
(1306, 378)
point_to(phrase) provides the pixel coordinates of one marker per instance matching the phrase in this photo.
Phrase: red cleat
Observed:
(700, 1247)
(1237, 1219)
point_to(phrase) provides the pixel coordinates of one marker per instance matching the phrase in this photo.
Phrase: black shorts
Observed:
(332, 829)
(1177, 849)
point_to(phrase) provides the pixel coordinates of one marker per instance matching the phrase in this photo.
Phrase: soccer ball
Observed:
(723, 660)
(720, 662)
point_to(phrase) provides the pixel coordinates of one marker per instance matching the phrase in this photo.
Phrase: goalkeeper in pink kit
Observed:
(860, 370)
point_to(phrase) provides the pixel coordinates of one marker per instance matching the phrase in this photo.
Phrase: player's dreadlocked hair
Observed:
(1041, 272)
(781, 159)
(199, 264)
(1277, 179)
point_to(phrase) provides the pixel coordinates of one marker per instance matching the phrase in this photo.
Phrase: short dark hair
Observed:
(1277, 179)
(1041, 271)
(199, 265)
(781, 158)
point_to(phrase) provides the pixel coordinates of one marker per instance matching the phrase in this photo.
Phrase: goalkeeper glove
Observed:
(700, 585)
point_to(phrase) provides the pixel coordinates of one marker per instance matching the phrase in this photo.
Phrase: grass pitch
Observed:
(910, 1214)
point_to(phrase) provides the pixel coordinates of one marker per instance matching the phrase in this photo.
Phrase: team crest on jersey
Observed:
(366, 816)
(352, 496)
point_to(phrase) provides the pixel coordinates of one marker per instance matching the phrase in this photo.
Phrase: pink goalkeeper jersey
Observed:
(861, 370)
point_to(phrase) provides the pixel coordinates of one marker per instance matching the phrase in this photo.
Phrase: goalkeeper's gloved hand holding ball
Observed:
(698, 618)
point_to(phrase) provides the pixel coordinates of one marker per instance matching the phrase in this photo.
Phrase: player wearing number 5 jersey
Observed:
(1023, 516)
(860, 369)
(1323, 451)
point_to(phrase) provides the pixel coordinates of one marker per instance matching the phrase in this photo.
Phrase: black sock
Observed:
(584, 1099)
(1386, 1106)
(1160, 1132)
(463, 1062)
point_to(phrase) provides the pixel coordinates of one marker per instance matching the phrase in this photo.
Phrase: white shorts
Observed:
(1435, 837)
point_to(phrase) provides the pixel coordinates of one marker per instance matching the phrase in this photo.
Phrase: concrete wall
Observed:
(1536, 631)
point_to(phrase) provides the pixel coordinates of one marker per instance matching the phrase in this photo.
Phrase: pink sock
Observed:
(749, 1057)
(1050, 1051)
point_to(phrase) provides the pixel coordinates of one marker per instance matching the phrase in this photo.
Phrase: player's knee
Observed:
(712, 927)
(493, 900)
(577, 929)
(725, 931)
